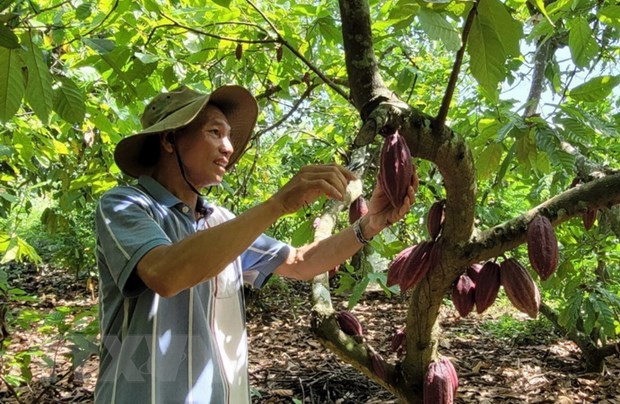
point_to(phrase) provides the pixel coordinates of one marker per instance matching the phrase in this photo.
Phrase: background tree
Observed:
(502, 104)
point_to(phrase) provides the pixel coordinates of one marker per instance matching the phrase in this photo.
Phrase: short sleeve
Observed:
(262, 258)
(126, 231)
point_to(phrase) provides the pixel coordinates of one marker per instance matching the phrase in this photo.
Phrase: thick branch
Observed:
(362, 68)
(544, 51)
(599, 193)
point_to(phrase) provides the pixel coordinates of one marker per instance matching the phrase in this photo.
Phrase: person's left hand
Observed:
(382, 214)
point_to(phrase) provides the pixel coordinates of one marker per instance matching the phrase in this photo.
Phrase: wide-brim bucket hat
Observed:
(178, 108)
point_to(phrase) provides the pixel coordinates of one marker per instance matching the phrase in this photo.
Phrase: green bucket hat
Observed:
(178, 108)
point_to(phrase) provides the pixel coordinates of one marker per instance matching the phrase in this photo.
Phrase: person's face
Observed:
(205, 147)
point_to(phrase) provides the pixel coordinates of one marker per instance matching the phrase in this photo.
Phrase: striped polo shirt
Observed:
(189, 348)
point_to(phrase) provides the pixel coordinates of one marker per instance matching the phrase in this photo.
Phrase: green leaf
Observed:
(541, 6)
(494, 38)
(610, 15)
(223, 3)
(439, 29)
(581, 42)
(102, 46)
(69, 100)
(358, 292)
(596, 89)
(12, 86)
(39, 86)
(8, 39)
(83, 11)
(488, 161)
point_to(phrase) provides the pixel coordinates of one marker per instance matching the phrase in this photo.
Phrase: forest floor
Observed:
(500, 356)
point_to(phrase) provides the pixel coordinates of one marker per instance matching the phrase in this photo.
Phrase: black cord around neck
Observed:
(181, 165)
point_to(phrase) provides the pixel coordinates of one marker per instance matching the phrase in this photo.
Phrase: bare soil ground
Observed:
(288, 365)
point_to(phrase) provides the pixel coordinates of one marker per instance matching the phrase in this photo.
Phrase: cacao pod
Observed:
(395, 270)
(542, 247)
(396, 173)
(332, 272)
(349, 324)
(473, 271)
(399, 341)
(454, 378)
(435, 218)
(239, 51)
(416, 266)
(520, 287)
(487, 286)
(279, 52)
(588, 218)
(357, 209)
(463, 295)
(439, 385)
(378, 365)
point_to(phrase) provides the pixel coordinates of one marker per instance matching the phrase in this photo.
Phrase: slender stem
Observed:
(284, 42)
(440, 120)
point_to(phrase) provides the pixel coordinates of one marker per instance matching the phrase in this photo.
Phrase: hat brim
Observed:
(237, 104)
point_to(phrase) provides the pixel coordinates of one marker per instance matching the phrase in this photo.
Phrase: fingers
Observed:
(335, 176)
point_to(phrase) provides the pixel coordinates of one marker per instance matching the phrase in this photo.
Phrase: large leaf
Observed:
(610, 15)
(581, 42)
(39, 86)
(596, 89)
(69, 100)
(8, 39)
(11, 82)
(493, 39)
(439, 29)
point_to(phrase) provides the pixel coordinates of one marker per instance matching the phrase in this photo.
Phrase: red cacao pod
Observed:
(396, 172)
(520, 287)
(542, 247)
(357, 209)
(349, 324)
(435, 218)
(449, 367)
(588, 218)
(416, 266)
(279, 51)
(399, 341)
(438, 384)
(473, 271)
(239, 51)
(378, 365)
(463, 295)
(395, 270)
(487, 286)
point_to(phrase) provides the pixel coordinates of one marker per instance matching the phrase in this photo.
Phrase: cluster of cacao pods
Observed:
(357, 209)
(542, 247)
(412, 264)
(397, 172)
(435, 218)
(349, 324)
(480, 285)
(440, 383)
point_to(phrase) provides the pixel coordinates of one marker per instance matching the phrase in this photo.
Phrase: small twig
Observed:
(290, 112)
(284, 42)
(90, 31)
(440, 120)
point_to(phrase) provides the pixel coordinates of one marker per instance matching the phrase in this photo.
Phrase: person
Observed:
(172, 265)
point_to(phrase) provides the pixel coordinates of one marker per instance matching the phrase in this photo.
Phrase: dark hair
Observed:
(150, 151)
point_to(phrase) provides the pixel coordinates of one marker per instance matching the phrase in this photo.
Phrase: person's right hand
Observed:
(310, 183)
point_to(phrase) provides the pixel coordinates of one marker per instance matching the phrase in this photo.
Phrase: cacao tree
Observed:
(502, 104)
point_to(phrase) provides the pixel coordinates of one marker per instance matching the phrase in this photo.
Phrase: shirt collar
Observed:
(166, 198)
